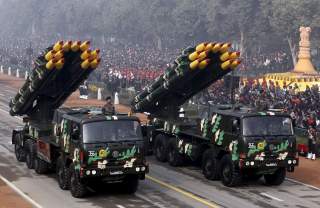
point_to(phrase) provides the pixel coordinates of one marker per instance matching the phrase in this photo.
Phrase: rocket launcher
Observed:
(58, 72)
(194, 70)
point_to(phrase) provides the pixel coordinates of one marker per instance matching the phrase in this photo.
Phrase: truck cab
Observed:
(98, 147)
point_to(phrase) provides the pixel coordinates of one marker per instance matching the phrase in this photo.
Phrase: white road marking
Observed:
(8, 113)
(271, 197)
(150, 201)
(298, 182)
(4, 111)
(1, 94)
(16, 189)
(120, 206)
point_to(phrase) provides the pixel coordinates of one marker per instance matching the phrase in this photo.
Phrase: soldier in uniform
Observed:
(312, 140)
(108, 108)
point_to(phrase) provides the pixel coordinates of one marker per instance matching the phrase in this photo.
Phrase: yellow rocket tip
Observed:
(94, 64)
(59, 64)
(85, 45)
(94, 54)
(75, 46)
(193, 65)
(203, 64)
(209, 46)
(203, 55)
(201, 47)
(85, 64)
(66, 46)
(193, 56)
(225, 47)
(234, 64)
(216, 47)
(226, 65)
(49, 55)
(50, 64)
(57, 46)
(85, 55)
(58, 55)
(234, 55)
(225, 56)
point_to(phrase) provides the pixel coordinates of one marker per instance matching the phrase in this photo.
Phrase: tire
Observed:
(160, 148)
(276, 178)
(210, 165)
(30, 154)
(63, 175)
(130, 184)
(77, 188)
(230, 175)
(20, 153)
(40, 166)
(174, 157)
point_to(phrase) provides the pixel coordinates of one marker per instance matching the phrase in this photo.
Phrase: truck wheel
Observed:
(63, 175)
(77, 188)
(174, 157)
(210, 165)
(276, 178)
(130, 184)
(20, 153)
(40, 166)
(29, 154)
(160, 148)
(230, 176)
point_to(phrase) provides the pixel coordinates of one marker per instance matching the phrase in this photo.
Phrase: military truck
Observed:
(230, 143)
(81, 144)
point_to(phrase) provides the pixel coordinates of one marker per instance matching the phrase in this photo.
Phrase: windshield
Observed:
(267, 125)
(106, 131)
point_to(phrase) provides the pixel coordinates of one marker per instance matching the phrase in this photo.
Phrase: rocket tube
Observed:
(95, 53)
(49, 55)
(58, 46)
(85, 55)
(59, 64)
(94, 64)
(67, 46)
(201, 47)
(85, 45)
(75, 46)
(225, 47)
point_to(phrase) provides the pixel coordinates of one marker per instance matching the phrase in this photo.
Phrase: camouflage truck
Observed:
(231, 144)
(82, 145)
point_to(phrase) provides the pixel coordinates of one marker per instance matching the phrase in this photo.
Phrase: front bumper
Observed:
(114, 171)
(288, 163)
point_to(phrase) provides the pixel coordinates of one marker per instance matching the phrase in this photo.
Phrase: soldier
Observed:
(312, 143)
(108, 108)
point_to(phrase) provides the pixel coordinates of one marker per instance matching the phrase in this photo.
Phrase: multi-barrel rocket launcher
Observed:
(194, 70)
(58, 72)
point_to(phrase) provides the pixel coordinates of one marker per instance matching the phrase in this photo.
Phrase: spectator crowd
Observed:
(125, 65)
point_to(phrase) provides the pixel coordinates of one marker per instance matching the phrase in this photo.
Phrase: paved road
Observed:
(164, 187)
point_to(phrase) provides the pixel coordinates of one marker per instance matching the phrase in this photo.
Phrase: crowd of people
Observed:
(125, 65)
(304, 107)
(266, 63)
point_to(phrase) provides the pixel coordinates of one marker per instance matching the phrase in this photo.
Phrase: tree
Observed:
(286, 16)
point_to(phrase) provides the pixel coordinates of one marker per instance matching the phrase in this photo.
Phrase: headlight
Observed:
(88, 172)
(137, 169)
(247, 163)
(94, 172)
(289, 162)
(252, 163)
(294, 162)
(143, 168)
